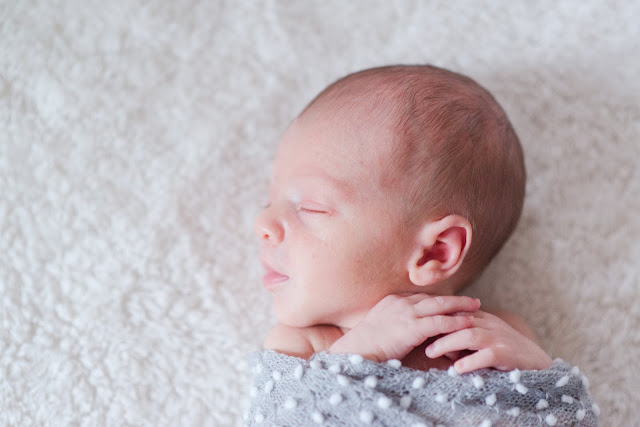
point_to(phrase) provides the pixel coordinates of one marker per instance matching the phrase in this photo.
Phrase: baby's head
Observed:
(393, 179)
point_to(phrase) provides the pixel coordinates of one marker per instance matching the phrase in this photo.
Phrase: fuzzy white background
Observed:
(135, 147)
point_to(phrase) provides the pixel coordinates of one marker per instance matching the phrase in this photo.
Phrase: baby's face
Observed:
(333, 243)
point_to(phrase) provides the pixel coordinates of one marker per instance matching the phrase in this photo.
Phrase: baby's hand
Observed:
(401, 322)
(494, 343)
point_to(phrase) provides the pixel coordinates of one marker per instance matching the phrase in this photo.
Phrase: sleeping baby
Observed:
(392, 191)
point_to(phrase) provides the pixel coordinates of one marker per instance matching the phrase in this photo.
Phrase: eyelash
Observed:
(313, 211)
(308, 210)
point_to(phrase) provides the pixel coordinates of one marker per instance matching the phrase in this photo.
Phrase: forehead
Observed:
(335, 147)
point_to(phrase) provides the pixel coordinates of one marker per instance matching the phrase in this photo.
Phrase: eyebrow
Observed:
(342, 187)
(339, 187)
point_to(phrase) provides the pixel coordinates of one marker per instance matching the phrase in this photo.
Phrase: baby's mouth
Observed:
(272, 278)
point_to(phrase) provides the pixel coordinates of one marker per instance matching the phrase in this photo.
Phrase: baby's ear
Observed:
(440, 248)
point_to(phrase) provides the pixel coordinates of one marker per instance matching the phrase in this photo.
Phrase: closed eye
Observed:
(313, 208)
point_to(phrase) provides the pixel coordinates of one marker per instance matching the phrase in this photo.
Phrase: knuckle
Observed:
(471, 336)
(438, 321)
(492, 354)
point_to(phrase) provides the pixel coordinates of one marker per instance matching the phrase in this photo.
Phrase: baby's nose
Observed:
(268, 228)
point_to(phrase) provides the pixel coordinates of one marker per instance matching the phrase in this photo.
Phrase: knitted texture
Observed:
(347, 390)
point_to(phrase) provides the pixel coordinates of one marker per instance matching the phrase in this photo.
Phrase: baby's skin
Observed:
(349, 274)
(449, 329)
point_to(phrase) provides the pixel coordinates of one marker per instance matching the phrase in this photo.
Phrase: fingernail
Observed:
(430, 350)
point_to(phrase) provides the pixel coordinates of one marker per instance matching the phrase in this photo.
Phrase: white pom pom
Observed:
(355, 359)
(418, 425)
(452, 371)
(384, 402)
(580, 414)
(567, 399)
(491, 399)
(485, 423)
(542, 404)
(298, 371)
(575, 371)
(335, 399)
(394, 363)
(366, 416)
(596, 409)
(551, 420)
(317, 417)
(521, 388)
(371, 381)
(514, 376)
(334, 368)
(405, 402)
(478, 382)
(441, 398)
(276, 375)
(563, 381)
(259, 418)
(342, 380)
(258, 368)
(585, 381)
(315, 364)
(418, 382)
(514, 412)
(290, 403)
(268, 386)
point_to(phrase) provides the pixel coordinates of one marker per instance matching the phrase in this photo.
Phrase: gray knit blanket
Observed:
(347, 390)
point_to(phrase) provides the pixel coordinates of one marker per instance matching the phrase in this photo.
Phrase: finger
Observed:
(415, 297)
(445, 305)
(480, 359)
(442, 324)
(472, 338)
(486, 321)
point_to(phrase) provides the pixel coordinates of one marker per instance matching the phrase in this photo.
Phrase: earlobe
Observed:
(440, 249)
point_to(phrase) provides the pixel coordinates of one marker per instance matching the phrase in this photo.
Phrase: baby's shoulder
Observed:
(301, 342)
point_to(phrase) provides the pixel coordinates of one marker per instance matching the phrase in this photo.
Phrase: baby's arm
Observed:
(390, 330)
(398, 324)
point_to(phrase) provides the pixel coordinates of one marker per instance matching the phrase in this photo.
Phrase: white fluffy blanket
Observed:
(135, 145)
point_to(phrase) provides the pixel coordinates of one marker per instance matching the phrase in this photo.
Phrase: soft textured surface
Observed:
(347, 390)
(135, 145)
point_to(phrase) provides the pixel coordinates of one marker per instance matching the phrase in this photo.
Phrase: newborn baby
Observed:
(391, 192)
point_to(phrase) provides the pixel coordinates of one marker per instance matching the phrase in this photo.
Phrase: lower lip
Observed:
(272, 279)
